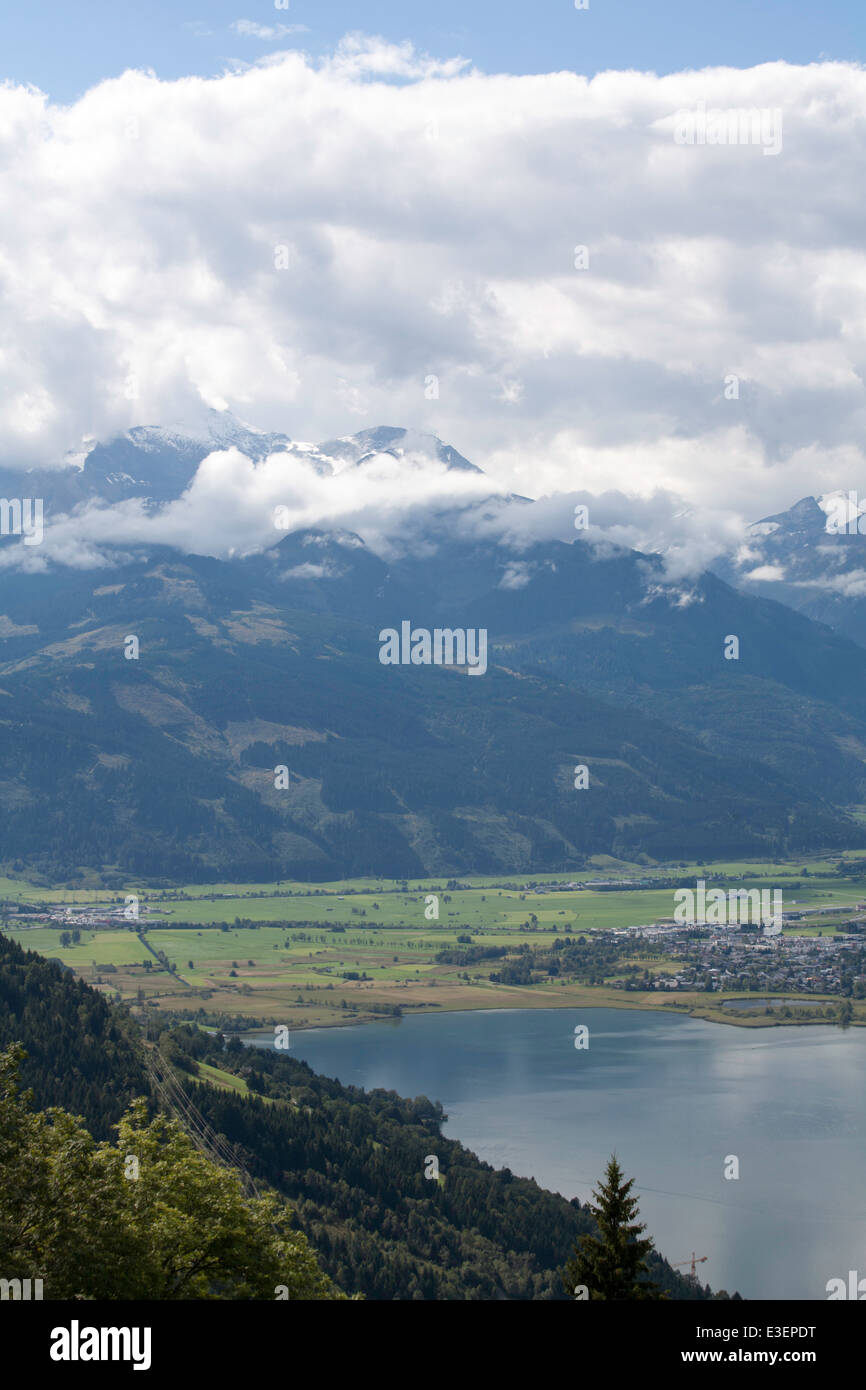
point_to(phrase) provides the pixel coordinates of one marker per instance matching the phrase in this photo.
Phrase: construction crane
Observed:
(695, 1260)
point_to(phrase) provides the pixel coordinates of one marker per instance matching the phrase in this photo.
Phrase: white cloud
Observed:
(311, 571)
(431, 212)
(766, 573)
(517, 575)
(251, 29)
(359, 55)
(235, 506)
(850, 585)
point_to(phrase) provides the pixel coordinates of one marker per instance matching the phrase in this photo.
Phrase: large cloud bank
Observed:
(378, 238)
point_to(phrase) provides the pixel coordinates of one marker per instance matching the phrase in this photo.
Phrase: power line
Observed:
(180, 1103)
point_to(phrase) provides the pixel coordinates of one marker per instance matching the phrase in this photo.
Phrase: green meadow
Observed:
(357, 949)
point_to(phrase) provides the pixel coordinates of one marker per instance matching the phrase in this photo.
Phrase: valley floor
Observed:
(303, 955)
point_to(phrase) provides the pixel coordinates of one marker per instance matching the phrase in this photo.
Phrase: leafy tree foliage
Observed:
(147, 1217)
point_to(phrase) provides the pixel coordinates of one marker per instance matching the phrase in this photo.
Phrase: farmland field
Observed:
(304, 954)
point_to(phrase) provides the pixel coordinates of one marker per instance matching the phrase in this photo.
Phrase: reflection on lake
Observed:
(674, 1097)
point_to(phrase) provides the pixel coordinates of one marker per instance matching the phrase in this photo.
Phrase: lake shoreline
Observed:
(716, 1015)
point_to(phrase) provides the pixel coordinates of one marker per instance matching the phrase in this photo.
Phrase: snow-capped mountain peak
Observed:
(209, 428)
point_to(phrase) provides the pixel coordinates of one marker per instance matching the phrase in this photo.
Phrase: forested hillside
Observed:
(350, 1164)
(83, 1054)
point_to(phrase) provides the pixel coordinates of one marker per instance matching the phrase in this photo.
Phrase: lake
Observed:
(675, 1098)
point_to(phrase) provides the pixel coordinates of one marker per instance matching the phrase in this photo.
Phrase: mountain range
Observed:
(162, 767)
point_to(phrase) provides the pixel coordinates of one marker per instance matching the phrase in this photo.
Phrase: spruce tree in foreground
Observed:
(612, 1264)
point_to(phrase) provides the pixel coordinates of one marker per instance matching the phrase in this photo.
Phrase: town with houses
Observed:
(745, 959)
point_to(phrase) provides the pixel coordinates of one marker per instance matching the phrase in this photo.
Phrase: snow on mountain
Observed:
(210, 429)
(354, 449)
(811, 557)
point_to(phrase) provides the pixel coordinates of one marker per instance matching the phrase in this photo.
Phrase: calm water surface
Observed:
(674, 1097)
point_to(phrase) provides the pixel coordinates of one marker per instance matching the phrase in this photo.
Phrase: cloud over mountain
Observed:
(218, 487)
(426, 216)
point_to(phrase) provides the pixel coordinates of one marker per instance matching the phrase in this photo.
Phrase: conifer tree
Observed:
(612, 1264)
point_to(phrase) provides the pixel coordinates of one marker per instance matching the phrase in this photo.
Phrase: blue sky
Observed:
(65, 47)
